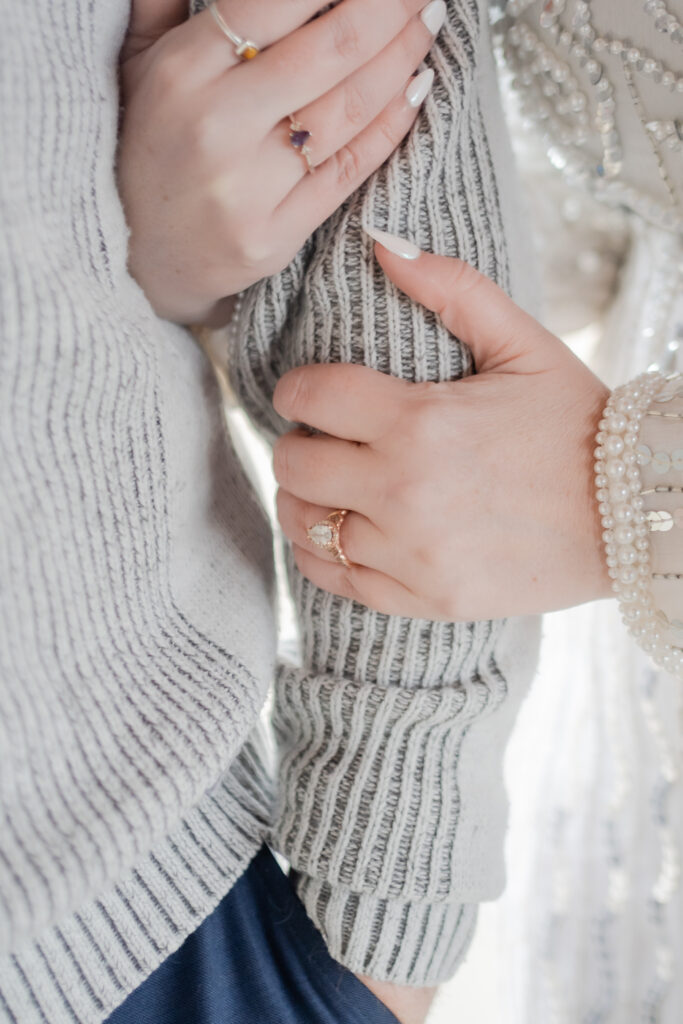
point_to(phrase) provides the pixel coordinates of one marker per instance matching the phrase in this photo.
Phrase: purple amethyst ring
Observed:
(298, 140)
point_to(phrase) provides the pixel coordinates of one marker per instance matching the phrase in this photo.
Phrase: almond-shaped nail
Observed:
(434, 15)
(418, 87)
(399, 246)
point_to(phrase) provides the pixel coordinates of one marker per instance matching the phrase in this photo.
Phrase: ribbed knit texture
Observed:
(137, 634)
(391, 733)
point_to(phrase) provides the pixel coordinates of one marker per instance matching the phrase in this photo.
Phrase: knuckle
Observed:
(348, 169)
(392, 130)
(201, 136)
(345, 35)
(463, 277)
(449, 607)
(425, 419)
(169, 73)
(410, 495)
(294, 392)
(254, 250)
(356, 108)
(281, 461)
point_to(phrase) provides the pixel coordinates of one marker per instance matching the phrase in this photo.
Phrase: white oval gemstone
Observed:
(321, 534)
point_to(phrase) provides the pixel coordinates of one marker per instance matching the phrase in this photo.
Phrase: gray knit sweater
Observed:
(137, 636)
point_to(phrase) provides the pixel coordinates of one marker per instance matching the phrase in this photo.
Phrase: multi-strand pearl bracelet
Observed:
(624, 519)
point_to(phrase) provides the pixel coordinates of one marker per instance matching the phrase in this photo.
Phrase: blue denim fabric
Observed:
(257, 959)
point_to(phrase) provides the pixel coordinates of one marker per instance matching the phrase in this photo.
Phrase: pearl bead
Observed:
(622, 513)
(615, 469)
(627, 554)
(621, 505)
(613, 445)
(618, 493)
(617, 423)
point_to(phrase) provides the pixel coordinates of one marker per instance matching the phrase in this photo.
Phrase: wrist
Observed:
(632, 508)
(410, 1005)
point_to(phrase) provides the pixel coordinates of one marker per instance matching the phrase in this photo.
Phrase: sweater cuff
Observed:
(392, 812)
(409, 943)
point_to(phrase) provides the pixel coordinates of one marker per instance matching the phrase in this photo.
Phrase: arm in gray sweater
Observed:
(391, 733)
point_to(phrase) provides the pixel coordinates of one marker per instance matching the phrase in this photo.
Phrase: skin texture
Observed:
(470, 499)
(214, 194)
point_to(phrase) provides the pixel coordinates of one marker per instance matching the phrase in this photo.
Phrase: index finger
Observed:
(353, 402)
(324, 52)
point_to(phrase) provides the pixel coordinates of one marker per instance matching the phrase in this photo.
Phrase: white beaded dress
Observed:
(593, 913)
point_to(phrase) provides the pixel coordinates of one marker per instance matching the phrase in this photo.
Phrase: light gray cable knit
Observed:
(137, 636)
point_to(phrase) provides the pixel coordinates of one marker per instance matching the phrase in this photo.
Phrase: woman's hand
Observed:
(471, 499)
(215, 194)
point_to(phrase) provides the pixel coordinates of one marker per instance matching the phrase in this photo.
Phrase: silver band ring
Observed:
(326, 535)
(298, 140)
(244, 48)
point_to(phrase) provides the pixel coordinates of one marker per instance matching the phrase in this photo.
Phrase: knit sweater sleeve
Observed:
(136, 639)
(391, 731)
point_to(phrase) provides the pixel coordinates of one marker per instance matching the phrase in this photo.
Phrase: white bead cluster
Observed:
(624, 521)
(665, 21)
(564, 71)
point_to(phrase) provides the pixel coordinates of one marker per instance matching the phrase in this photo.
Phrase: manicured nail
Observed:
(418, 87)
(434, 15)
(399, 246)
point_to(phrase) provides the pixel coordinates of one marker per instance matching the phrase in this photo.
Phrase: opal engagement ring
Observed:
(326, 535)
(244, 48)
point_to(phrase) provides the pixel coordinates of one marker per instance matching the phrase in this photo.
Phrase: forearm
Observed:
(391, 732)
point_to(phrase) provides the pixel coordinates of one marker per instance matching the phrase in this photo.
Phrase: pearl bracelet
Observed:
(624, 521)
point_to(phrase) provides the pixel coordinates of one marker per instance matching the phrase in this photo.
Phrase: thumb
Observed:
(500, 335)
(150, 19)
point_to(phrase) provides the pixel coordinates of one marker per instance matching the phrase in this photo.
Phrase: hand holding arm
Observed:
(471, 499)
(215, 195)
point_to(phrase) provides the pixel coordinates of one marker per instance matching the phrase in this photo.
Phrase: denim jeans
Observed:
(257, 959)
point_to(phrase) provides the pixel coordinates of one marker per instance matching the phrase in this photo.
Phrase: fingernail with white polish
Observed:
(418, 87)
(434, 15)
(399, 246)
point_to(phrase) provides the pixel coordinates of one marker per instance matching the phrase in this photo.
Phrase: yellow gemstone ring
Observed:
(244, 48)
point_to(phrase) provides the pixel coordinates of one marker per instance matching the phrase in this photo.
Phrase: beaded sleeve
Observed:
(639, 478)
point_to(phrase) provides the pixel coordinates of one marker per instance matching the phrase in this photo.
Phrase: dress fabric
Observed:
(593, 913)
(257, 957)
